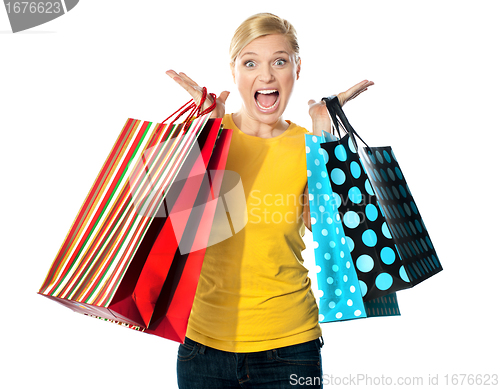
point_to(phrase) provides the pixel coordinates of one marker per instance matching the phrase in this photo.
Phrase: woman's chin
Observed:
(268, 117)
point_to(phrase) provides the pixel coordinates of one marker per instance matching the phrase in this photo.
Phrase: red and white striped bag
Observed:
(134, 252)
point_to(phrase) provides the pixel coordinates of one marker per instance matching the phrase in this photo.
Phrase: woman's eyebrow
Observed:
(248, 53)
(281, 52)
(252, 53)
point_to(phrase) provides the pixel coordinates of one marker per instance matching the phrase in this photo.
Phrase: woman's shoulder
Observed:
(293, 127)
(227, 121)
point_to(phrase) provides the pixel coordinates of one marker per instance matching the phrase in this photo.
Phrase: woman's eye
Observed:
(250, 64)
(280, 62)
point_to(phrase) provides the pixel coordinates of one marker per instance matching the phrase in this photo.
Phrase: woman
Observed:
(254, 322)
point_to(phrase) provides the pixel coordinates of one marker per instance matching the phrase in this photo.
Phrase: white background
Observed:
(67, 87)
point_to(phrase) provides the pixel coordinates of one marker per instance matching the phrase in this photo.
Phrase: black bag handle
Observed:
(340, 120)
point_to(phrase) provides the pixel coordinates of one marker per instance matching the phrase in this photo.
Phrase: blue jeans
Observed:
(202, 367)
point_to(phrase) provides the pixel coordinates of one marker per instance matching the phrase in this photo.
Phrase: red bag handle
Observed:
(195, 109)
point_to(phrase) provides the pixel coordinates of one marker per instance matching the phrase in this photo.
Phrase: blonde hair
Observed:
(260, 25)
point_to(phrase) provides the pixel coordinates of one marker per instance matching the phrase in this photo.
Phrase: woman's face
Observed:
(265, 72)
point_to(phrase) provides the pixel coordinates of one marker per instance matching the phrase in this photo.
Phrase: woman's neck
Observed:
(253, 127)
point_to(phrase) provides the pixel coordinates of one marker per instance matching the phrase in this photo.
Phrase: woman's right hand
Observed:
(196, 93)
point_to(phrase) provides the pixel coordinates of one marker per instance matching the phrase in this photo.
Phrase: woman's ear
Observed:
(299, 63)
(231, 65)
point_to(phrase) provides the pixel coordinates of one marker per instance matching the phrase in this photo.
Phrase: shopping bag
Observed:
(389, 242)
(340, 296)
(173, 309)
(173, 306)
(108, 244)
(173, 218)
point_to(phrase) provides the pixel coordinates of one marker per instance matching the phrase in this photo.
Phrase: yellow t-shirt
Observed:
(254, 293)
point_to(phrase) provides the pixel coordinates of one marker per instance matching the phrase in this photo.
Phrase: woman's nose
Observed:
(266, 74)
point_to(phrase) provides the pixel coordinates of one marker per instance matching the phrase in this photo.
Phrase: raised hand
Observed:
(196, 93)
(354, 91)
(319, 113)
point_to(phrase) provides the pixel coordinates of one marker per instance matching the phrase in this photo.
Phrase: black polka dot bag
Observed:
(387, 237)
(339, 289)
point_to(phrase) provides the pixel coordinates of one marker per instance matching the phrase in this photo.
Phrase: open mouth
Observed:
(267, 99)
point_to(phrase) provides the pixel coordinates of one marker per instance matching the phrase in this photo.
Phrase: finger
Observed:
(364, 83)
(175, 76)
(194, 90)
(223, 97)
(354, 91)
(311, 102)
(356, 94)
(359, 86)
(172, 73)
(188, 79)
(182, 79)
(364, 86)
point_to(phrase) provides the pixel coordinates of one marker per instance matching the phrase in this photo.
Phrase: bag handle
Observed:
(195, 109)
(340, 120)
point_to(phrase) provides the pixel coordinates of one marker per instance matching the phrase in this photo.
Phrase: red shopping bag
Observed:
(137, 295)
(108, 245)
(173, 308)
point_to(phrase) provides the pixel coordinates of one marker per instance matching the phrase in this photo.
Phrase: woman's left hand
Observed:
(354, 91)
(319, 113)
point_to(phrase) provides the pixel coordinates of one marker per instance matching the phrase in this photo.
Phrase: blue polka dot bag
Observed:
(388, 240)
(340, 294)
